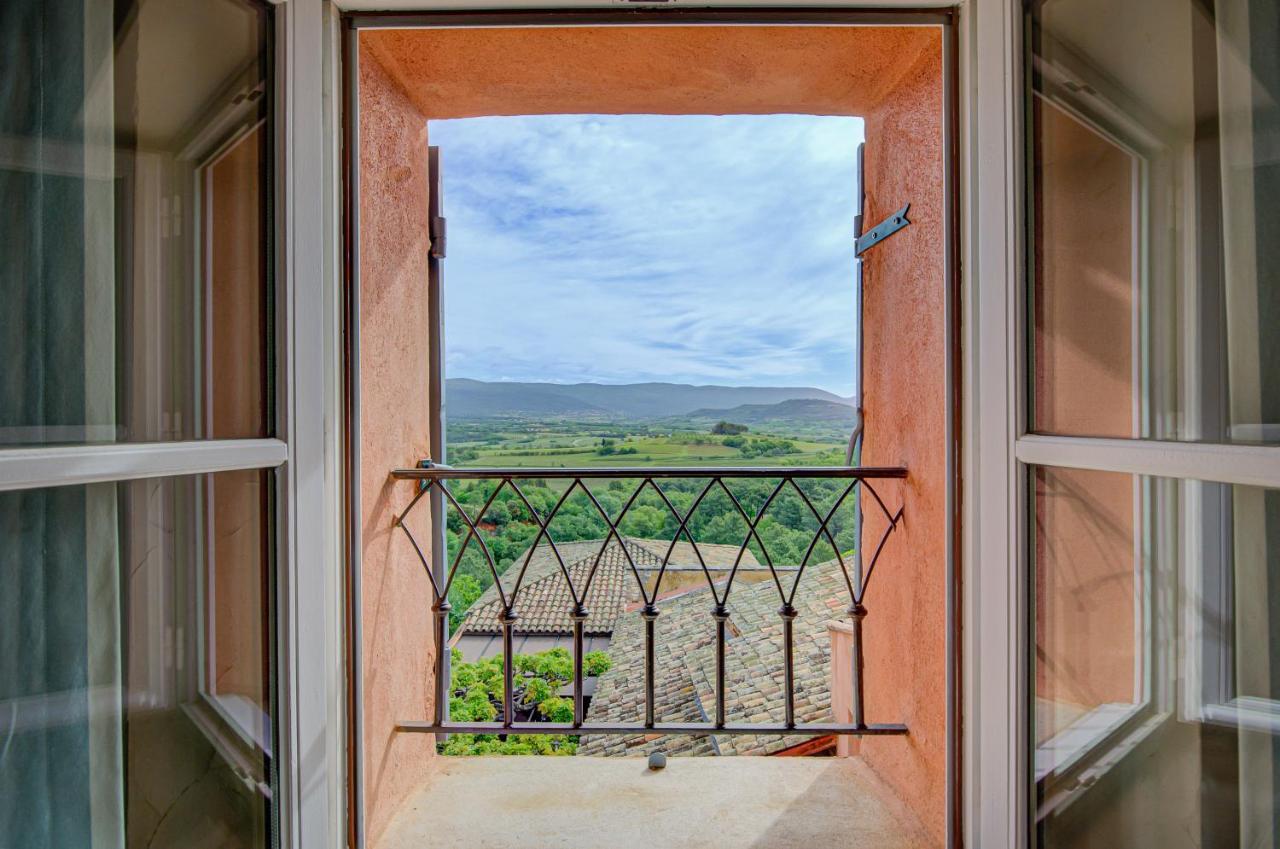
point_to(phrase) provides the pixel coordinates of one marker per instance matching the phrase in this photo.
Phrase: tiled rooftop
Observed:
(544, 603)
(685, 680)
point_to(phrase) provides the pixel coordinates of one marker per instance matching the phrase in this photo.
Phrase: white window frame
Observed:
(1091, 742)
(1188, 464)
(311, 716)
(994, 447)
(311, 756)
(238, 738)
(994, 604)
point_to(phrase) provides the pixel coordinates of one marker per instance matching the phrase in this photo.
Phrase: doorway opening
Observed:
(417, 521)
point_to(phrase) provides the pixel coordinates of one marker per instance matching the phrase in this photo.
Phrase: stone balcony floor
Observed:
(617, 802)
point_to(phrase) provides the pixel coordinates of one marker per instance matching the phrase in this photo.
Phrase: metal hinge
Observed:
(439, 234)
(882, 231)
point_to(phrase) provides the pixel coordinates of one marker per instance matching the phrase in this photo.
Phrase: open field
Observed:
(512, 444)
(520, 442)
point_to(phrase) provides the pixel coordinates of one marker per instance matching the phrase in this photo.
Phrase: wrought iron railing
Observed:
(435, 478)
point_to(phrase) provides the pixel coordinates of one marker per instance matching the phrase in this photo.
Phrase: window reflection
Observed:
(134, 697)
(1090, 592)
(1156, 707)
(135, 225)
(1155, 260)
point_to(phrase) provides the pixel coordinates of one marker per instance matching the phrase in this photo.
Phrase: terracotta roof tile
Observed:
(544, 603)
(685, 680)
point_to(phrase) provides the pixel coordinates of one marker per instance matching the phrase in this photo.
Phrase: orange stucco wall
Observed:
(394, 382)
(905, 371)
(890, 75)
(667, 70)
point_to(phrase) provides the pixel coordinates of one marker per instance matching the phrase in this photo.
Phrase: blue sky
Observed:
(618, 249)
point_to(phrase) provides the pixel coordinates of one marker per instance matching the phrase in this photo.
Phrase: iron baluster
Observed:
(650, 614)
(856, 614)
(441, 609)
(508, 621)
(579, 620)
(721, 615)
(788, 614)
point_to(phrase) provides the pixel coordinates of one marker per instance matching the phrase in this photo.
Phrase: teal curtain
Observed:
(44, 736)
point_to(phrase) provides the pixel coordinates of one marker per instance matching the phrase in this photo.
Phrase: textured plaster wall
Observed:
(667, 70)
(904, 368)
(394, 381)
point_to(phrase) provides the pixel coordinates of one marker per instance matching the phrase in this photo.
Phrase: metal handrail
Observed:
(437, 471)
(436, 477)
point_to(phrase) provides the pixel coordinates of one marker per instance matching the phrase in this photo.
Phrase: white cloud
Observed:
(701, 249)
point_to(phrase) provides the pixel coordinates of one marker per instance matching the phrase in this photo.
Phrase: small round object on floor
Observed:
(657, 760)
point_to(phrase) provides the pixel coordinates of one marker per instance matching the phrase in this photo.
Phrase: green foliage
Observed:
(767, 447)
(787, 529)
(462, 455)
(645, 521)
(728, 428)
(508, 529)
(476, 696)
(465, 590)
(610, 448)
(596, 663)
(556, 709)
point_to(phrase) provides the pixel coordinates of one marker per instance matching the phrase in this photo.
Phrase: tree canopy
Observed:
(475, 695)
(786, 530)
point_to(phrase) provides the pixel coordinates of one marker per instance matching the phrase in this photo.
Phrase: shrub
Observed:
(476, 696)
(596, 663)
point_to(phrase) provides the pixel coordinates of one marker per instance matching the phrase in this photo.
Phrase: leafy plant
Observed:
(476, 696)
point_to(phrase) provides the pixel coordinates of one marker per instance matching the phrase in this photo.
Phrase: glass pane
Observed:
(1156, 696)
(1154, 187)
(135, 699)
(234, 582)
(1089, 588)
(135, 225)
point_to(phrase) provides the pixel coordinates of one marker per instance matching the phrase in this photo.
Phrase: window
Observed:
(138, 476)
(1152, 315)
(1153, 299)
(137, 194)
(1095, 570)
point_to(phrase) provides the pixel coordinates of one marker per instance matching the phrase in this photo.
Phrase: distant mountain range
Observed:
(476, 399)
(813, 410)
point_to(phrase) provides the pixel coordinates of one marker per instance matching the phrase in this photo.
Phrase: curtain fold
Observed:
(45, 709)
